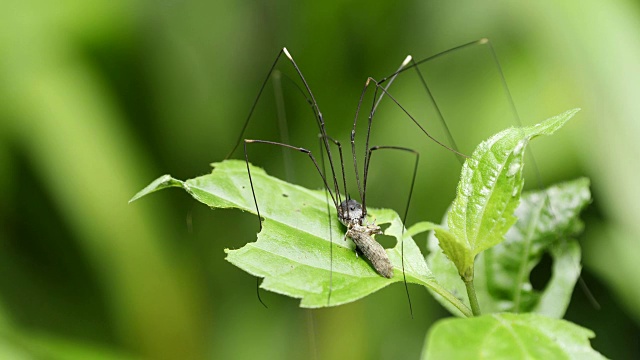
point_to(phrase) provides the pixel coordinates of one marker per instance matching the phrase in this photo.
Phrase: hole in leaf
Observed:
(386, 241)
(421, 241)
(541, 273)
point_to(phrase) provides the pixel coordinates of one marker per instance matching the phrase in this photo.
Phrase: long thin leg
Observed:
(320, 136)
(452, 142)
(282, 124)
(311, 101)
(384, 91)
(303, 150)
(406, 210)
(370, 121)
(412, 118)
(375, 107)
(480, 42)
(246, 157)
(328, 189)
(253, 107)
(435, 56)
(319, 118)
(258, 293)
(289, 171)
(262, 87)
(514, 111)
(314, 105)
(344, 178)
(329, 221)
(324, 138)
(283, 132)
(415, 65)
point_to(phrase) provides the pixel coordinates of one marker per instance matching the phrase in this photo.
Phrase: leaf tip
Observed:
(567, 115)
(162, 182)
(570, 113)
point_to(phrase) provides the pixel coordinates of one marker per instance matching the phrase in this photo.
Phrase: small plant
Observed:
(480, 256)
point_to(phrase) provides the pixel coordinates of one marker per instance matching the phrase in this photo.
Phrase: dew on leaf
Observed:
(513, 169)
(519, 147)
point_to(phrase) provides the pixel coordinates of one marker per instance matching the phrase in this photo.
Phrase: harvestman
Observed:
(350, 212)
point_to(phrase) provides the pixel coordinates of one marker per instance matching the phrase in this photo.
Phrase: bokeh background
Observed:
(98, 98)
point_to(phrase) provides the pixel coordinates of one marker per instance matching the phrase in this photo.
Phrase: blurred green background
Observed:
(98, 98)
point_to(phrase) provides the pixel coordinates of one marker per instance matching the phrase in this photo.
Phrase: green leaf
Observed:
(547, 221)
(443, 269)
(508, 336)
(554, 299)
(293, 251)
(489, 192)
(163, 182)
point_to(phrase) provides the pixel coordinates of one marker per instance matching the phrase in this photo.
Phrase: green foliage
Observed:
(508, 336)
(547, 219)
(293, 252)
(99, 96)
(489, 192)
(302, 252)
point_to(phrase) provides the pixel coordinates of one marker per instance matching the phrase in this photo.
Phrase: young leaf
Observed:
(508, 336)
(547, 219)
(299, 238)
(488, 193)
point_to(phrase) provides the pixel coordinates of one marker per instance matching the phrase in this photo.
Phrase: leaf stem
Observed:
(450, 298)
(473, 299)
